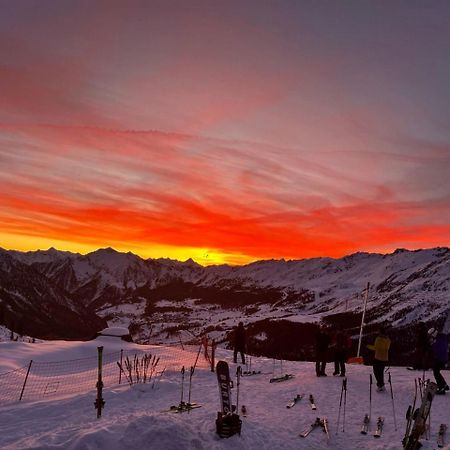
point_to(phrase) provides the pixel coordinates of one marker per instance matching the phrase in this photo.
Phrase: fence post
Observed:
(25, 382)
(213, 354)
(120, 368)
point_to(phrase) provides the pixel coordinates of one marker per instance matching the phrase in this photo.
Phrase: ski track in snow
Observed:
(133, 417)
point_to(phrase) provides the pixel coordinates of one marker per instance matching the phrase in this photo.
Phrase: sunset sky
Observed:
(226, 131)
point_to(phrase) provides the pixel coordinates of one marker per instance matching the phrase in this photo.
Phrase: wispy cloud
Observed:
(253, 131)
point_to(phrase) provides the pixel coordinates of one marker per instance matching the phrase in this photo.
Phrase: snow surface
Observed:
(133, 417)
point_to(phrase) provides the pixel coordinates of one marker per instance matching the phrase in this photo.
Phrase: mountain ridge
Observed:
(158, 296)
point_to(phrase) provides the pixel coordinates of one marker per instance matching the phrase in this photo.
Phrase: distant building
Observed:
(119, 332)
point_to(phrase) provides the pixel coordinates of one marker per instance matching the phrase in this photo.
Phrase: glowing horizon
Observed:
(225, 133)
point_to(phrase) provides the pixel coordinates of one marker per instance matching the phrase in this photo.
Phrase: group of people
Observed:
(341, 344)
(432, 348)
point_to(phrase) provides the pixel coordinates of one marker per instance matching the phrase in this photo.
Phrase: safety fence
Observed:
(44, 380)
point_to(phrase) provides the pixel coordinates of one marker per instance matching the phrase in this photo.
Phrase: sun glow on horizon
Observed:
(202, 256)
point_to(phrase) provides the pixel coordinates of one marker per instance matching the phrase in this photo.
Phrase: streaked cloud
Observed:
(245, 130)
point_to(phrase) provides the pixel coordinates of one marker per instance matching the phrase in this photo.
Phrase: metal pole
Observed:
(344, 384)
(181, 342)
(182, 385)
(198, 354)
(26, 378)
(362, 318)
(213, 354)
(392, 398)
(238, 378)
(190, 385)
(120, 371)
(340, 405)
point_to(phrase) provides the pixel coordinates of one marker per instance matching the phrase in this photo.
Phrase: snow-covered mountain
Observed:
(31, 303)
(158, 297)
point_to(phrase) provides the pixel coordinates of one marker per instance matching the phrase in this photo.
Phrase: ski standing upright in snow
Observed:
(99, 402)
(420, 416)
(410, 412)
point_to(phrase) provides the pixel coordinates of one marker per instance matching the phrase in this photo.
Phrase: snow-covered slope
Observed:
(159, 297)
(133, 417)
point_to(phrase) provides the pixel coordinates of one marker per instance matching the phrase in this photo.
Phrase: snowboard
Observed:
(223, 378)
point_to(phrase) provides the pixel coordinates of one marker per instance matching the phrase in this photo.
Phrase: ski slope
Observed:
(133, 417)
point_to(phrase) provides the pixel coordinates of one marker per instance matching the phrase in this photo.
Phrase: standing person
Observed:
(422, 348)
(439, 348)
(239, 342)
(381, 348)
(341, 345)
(322, 343)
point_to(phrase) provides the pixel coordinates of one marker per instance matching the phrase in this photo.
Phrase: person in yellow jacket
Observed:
(381, 348)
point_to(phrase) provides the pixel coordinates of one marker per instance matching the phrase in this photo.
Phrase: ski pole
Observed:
(393, 403)
(238, 382)
(370, 397)
(344, 385)
(339, 413)
(190, 384)
(182, 384)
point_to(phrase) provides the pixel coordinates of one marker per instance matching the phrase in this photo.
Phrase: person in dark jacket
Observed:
(439, 348)
(239, 342)
(422, 348)
(322, 343)
(342, 344)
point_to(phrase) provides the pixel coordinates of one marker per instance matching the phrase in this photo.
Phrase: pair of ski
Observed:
(318, 423)
(281, 378)
(366, 425)
(185, 406)
(298, 397)
(416, 419)
(295, 400)
(366, 421)
(380, 420)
